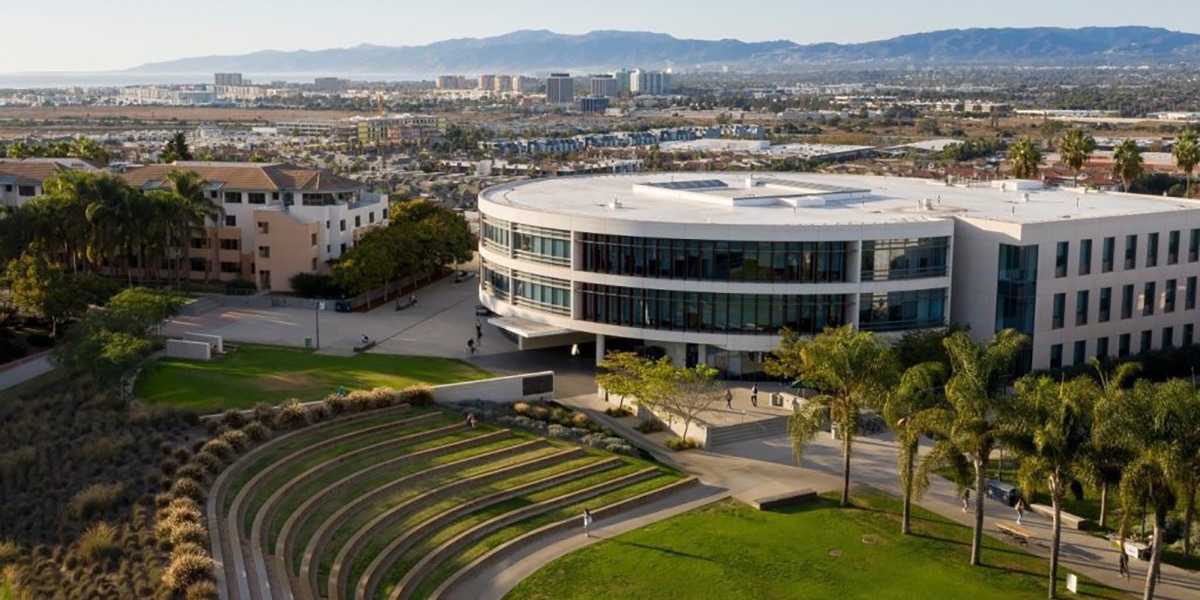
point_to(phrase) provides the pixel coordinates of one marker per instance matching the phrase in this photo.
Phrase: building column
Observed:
(599, 348)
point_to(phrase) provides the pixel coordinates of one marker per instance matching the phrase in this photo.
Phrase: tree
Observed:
(916, 392)
(965, 430)
(196, 209)
(1051, 432)
(1157, 424)
(853, 370)
(1025, 158)
(621, 373)
(1187, 155)
(88, 149)
(1049, 131)
(1127, 163)
(41, 288)
(1107, 460)
(1076, 148)
(689, 392)
(177, 149)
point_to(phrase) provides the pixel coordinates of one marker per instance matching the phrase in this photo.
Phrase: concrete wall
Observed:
(698, 430)
(216, 342)
(500, 389)
(189, 350)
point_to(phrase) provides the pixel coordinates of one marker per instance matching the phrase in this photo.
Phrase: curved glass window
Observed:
(884, 260)
(496, 233)
(495, 280)
(712, 260)
(707, 312)
(545, 294)
(543, 245)
(899, 311)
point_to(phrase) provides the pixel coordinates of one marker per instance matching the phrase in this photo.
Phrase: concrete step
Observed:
(199, 306)
(729, 434)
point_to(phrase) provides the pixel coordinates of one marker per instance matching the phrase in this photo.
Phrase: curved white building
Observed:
(710, 266)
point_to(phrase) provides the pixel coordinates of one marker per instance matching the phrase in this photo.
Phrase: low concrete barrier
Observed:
(781, 500)
(216, 342)
(1069, 520)
(189, 350)
(528, 387)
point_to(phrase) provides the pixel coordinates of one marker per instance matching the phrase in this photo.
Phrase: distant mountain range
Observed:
(534, 51)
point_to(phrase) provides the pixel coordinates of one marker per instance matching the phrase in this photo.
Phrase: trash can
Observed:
(777, 399)
(308, 342)
(1002, 492)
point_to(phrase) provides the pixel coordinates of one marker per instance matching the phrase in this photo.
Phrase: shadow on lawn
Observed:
(662, 550)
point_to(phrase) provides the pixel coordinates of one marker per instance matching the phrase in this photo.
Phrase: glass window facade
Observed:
(1130, 252)
(884, 260)
(495, 280)
(1149, 299)
(1127, 301)
(545, 294)
(1061, 253)
(1058, 317)
(1147, 341)
(705, 312)
(1081, 308)
(1173, 247)
(1194, 245)
(1152, 250)
(1079, 352)
(1102, 348)
(1123, 345)
(1105, 304)
(899, 311)
(1085, 257)
(1169, 292)
(713, 260)
(542, 245)
(1189, 334)
(1189, 294)
(496, 233)
(1016, 290)
(1056, 356)
(1106, 254)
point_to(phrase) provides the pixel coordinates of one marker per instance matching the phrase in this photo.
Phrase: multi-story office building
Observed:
(624, 79)
(279, 219)
(524, 85)
(228, 79)
(400, 128)
(560, 89)
(450, 82)
(648, 83)
(503, 83)
(604, 86)
(486, 83)
(593, 104)
(332, 85)
(710, 267)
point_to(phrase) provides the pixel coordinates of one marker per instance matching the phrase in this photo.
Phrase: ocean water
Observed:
(65, 79)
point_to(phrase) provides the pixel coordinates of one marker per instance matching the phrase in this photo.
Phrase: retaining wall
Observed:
(189, 350)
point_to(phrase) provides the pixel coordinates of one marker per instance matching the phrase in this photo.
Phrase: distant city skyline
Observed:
(81, 35)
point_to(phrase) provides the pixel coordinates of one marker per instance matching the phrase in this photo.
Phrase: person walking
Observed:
(471, 420)
(587, 523)
(366, 340)
(478, 329)
(471, 345)
(966, 498)
(412, 300)
(1020, 507)
(754, 395)
(728, 398)
(1123, 565)
(574, 350)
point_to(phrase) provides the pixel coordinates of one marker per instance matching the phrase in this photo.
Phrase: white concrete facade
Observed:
(543, 251)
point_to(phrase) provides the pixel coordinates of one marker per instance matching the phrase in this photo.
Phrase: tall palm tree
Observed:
(115, 216)
(1128, 163)
(1076, 148)
(198, 211)
(917, 391)
(853, 369)
(1107, 460)
(1051, 432)
(965, 430)
(1187, 155)
(1025, 158)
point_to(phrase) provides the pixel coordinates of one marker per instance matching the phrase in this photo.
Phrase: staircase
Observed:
(731, 434)
(199, 306)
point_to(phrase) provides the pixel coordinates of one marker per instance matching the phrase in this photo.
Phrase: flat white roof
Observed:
(877, 200)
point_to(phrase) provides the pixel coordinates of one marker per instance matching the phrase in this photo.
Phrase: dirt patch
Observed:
(285, 382)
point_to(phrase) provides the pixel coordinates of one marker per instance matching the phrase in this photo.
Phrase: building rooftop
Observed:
(34, 171)
(247, 176)
(814, 199)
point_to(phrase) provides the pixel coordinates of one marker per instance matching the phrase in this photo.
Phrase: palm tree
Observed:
(917, 391)
(1187, 155)
(1025, 158)
(1051, 432)
(1076, 148)
(198, 210)
(852, 369)
(1150, 423)
(87, 148)
(1127, 163)
(1107, 460)
(965, 430)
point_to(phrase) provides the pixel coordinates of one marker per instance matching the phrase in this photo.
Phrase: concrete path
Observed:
(16, 375)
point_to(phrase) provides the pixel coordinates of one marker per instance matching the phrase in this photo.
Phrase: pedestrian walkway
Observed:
(16, 375)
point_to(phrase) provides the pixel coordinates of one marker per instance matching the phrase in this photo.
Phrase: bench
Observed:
(1069, 520)
(365, 347)
(1016, 532)
(784, 499)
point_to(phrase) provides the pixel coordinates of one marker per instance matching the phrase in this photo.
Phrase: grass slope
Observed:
(272, 374)
(730, 551)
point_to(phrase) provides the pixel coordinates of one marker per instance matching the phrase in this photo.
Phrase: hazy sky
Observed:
(85, 35)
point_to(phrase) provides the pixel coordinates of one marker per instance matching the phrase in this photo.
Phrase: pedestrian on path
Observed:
(966, 498)
(754, 395)
(1020, 507)
(366, 340)
(471, 420)
(1123, 564)
(478, 329)
(587, 523)
(412, 299)
(728, 398)
(574, 350)
(471, 346)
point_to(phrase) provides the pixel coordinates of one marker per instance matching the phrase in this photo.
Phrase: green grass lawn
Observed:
(730, 551)
(273, 374)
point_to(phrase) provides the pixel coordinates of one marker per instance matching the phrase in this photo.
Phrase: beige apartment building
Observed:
(279, 220)
(21, 179)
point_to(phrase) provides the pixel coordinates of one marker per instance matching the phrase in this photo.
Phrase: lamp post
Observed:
(317, 319)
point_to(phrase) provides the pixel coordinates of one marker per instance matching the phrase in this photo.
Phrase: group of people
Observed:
(753, 397)
(473, 343)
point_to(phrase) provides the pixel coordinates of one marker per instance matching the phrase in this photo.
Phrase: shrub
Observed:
(234, 419)
(580, 420)
(521, 408)
(209, 461)
(189, 548)
(185, 532)
(336, 405)
(186, 487)
(417, 396)
(264, 413)
(618, 412)
(257, 432)
(557, 431)
(318, 413)
(237, 439)
(9, 552)
(194, 471)
(220, 448)
(292, 415)
(649, 426)
(186, 570)
(182, 455)
(678, 444)
(169, 466)
(99, 544)
(201, 590)
(97, 499)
